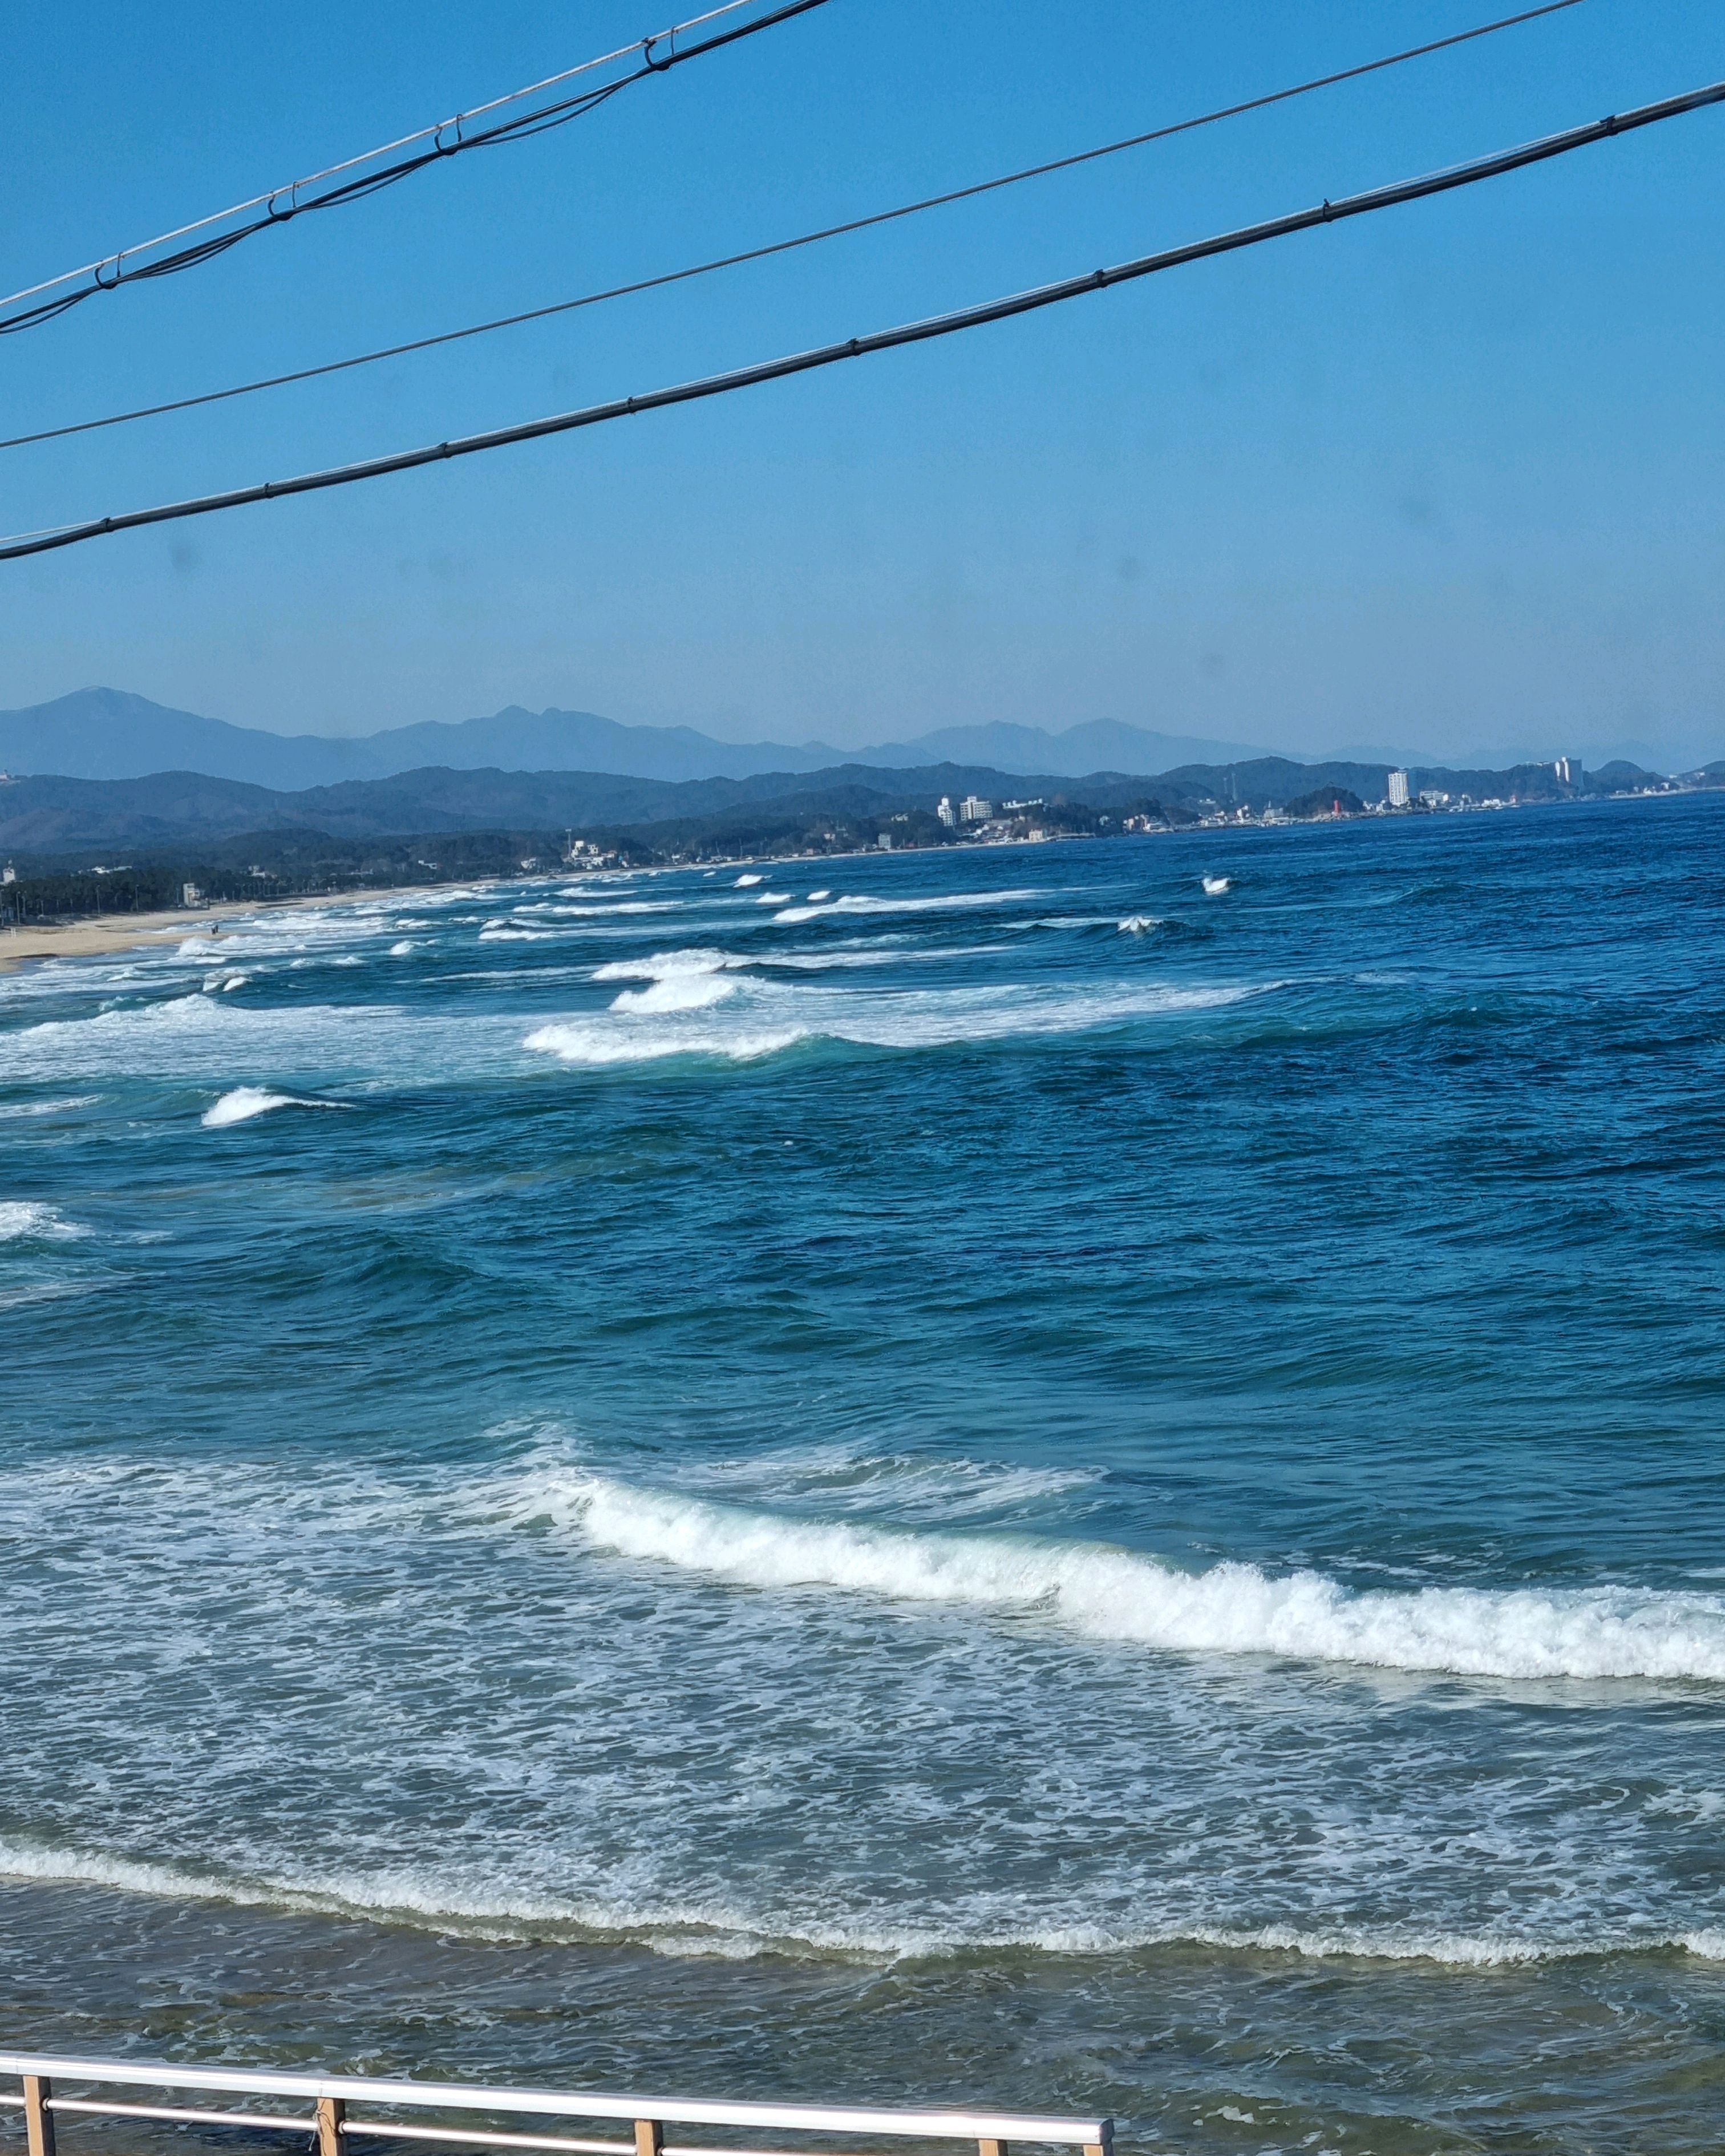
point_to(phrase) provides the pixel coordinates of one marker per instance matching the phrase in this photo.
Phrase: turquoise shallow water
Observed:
(979, 1473)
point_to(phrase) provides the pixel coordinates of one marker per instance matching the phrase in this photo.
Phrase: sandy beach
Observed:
(88, 937)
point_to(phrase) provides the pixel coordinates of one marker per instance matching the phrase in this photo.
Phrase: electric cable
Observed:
(784, 246)
(446, 139)
(916, 332)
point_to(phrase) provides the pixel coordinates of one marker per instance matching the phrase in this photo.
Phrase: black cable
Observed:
(785, 246)
(519, 129)
(918, 332)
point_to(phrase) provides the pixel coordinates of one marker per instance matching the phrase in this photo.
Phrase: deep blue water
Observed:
(1018, 1427)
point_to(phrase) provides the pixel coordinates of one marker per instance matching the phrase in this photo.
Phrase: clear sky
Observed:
(1447, 479)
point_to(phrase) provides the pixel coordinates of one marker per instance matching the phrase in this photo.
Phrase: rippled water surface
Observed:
(989, 1475)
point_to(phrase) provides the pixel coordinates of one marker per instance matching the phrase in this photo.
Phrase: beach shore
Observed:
(85, 938)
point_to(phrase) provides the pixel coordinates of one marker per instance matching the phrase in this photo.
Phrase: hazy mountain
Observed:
(1098, 744)
(108, 733)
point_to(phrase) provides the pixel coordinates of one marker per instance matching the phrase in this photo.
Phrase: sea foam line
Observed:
(950, 902)
(1107, 1593)
(478, 1908)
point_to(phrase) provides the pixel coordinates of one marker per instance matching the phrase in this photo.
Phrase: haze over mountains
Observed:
(109, 733)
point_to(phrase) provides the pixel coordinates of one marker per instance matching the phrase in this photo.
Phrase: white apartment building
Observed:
(1397, 789)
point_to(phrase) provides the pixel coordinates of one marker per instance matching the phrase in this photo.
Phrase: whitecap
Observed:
(1139, 924)
(598, 1045)
(22, 1221)
(744, 882)
(1215, 885)
(767, 1015)
(677, 992)
(950, 902)
(244, 1102)
(401, 950)
(816, 897)
(49, 1107)
(1108, 1593)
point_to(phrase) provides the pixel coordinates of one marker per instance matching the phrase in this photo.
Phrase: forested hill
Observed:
(62, 817)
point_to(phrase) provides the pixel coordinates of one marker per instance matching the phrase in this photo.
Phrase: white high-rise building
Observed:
(974, 810)
(1397, 789)
(1568, 770)
(947, 813)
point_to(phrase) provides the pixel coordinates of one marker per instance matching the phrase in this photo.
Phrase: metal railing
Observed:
(336, 2100)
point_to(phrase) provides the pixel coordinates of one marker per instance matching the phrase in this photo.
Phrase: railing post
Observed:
(991, 2148)
(1104, 2146)
(650, 2137)
(330, 2112)
(39, 2119)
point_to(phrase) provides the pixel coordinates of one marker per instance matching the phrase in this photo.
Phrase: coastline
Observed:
(87, 937)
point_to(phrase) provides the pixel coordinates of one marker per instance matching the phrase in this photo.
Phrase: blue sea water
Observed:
(989, 1474)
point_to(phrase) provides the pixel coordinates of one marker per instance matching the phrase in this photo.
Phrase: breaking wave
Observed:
(957, 901)
(1109, 1593)
(245, 1101)
(763, 1016)
(22, 1222)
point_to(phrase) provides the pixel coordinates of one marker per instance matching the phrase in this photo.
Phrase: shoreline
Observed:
(88, 935)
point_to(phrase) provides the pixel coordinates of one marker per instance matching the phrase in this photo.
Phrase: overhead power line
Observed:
(917, 333)
(354, 178)
(786, 246)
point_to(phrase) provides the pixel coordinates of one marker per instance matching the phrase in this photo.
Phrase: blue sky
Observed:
(1447, 479)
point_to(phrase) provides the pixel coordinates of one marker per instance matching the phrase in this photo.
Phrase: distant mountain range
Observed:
(108, 733)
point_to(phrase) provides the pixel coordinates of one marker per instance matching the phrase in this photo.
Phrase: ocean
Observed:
(989, 1475)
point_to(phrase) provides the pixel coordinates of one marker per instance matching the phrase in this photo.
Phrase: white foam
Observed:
(600, 912)
(246, 1102)
(765, 1016)
(677, 992)
(596, 1046)
(23, 1222)
(745, 882)
(1139, 924)
(951, 902)
(816, 897)
(401, 950)
(1215, 885)
(455, 1898)
(773, 898)
(1113, 1594)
